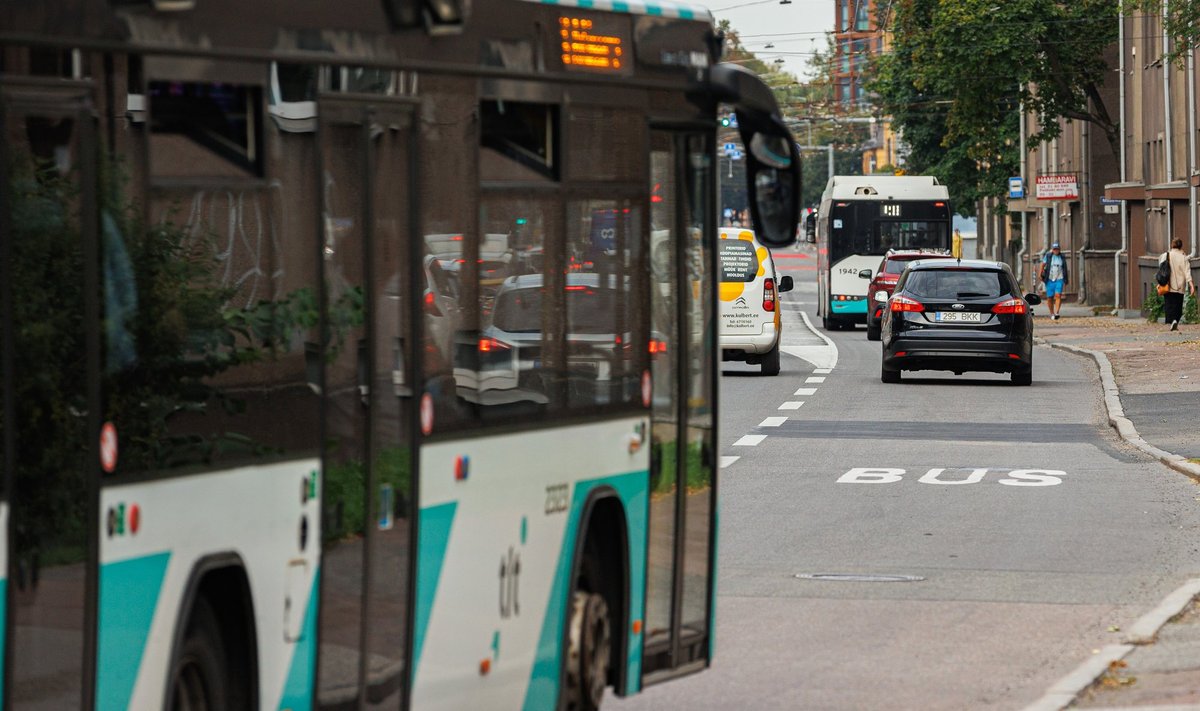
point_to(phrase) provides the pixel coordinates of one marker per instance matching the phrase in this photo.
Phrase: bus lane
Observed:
(949, 542)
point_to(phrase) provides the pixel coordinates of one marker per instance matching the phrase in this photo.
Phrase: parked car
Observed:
(958, 315)
(749, 292)
(883, 281)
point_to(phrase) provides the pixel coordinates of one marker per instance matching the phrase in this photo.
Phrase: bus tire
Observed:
(828, 324)
(199, 680)
(770, 361)
(589, 651)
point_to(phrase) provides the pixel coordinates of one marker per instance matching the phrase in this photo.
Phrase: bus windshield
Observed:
(863, 231)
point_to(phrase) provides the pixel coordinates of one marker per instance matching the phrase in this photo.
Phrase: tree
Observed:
(959, 72)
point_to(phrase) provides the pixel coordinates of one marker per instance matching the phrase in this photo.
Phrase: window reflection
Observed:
(507, 365)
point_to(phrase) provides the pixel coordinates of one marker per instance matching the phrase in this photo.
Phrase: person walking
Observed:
(1054, 275)
(1181, 283)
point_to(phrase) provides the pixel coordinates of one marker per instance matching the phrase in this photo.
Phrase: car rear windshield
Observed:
(739, 262)
(956, 284)
(895, 266)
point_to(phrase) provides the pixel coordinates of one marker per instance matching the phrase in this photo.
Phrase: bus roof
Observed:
(660, 8)
(885, 187)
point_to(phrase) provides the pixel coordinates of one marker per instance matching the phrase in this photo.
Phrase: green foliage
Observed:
(698, 472)
(1153, 307)
(959, 72)
(345, 492)
(1190, 314)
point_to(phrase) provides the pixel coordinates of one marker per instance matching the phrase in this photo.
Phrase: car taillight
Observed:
(429, 305)
(657, 347)
(903, 303)
(768, 294)
(1012, 306)
(491, 345)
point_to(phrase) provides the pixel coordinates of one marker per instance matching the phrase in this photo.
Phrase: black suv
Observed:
(958, 315)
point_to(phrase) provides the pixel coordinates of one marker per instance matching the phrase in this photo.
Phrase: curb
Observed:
(1116, 413)
(1064, 692)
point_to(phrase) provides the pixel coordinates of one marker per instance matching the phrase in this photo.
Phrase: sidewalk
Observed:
(1155, 384)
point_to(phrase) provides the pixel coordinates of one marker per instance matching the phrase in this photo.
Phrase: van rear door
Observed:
(743, 264)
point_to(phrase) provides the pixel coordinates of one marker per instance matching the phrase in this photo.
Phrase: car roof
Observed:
(966, 264)
(534, 281)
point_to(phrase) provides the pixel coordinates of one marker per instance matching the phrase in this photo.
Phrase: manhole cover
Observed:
(857, 578)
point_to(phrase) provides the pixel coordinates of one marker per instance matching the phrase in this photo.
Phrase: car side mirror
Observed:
(865, 274)
(785, 284)
(1033, 299)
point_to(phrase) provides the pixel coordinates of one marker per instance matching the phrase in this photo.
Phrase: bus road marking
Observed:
(772, 422)
(726, 461)
(749, 440)
(818, 379)
(793, 405)
(938, 475)
(806, 391)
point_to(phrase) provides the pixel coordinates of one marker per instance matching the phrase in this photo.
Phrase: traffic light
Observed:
(729, 121)
(725, 121)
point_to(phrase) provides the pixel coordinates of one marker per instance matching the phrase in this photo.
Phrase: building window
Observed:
(862, 16)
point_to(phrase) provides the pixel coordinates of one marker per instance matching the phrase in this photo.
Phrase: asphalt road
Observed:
(1031, 530)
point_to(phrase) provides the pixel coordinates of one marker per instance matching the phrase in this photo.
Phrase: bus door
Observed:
(680, 571)
(365, 149)
(50, 344)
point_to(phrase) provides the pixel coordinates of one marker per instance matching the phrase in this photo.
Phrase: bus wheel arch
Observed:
(215, 643)
(599, 584)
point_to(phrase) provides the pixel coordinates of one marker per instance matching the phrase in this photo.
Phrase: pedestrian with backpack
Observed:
(1176, 267)
(1054, 276)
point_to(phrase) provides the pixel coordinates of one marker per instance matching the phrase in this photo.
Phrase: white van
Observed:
(750, 318)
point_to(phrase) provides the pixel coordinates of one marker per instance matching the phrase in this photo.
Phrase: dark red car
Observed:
(883, 282)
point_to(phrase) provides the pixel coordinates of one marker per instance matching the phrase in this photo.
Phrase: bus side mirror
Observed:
(773, 177)
(810, 228)
(865, 274)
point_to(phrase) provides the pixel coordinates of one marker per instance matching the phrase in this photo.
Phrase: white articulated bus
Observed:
(863, 216)
(362, 354)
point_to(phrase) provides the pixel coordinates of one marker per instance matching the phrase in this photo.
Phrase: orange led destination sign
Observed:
(586, 47)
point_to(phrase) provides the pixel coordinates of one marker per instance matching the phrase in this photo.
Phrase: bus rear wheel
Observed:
(589, 651)
(198, 678)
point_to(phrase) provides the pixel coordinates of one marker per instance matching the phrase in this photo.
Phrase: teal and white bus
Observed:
(862, 217)
(335, 372)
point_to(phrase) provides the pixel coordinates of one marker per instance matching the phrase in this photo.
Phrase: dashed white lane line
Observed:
(822, 371)
(772, 422)
(806, 391)
(818, 379)
(794, 405)
(726, 461)
(749, 440)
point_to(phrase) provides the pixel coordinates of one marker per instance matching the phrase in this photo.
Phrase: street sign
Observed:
(730, 149)
(1111, 206)
(1057, 186)
(1016, 188)
(736, 155)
